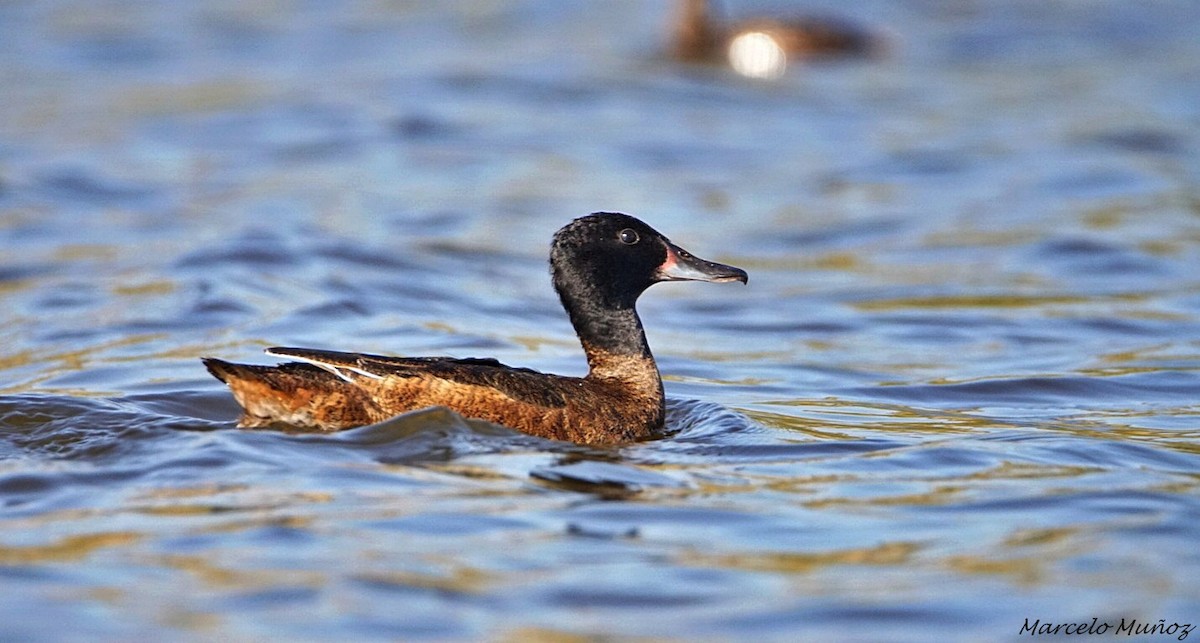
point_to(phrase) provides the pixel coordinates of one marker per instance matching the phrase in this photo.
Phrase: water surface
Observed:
(959, 391)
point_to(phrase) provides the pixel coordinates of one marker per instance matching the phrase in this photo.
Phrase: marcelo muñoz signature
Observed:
(1128, 627)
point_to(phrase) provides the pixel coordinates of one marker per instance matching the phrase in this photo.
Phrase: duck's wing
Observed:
(518, 383)
(378, 366)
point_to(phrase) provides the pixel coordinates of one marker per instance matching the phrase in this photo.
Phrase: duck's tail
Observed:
(294, 394)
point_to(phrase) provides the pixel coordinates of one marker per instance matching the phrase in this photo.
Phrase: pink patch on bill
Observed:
(670, 261)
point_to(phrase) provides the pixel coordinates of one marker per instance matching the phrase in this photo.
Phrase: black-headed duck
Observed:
(599, 264)
(764, 46)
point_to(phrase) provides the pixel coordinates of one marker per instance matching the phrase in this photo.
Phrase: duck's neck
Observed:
(694, 34)
(613, 339)
(610, 336)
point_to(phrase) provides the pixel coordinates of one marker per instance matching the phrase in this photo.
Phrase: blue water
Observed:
(959, 392)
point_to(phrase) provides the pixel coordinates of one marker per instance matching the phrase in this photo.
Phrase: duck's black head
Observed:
(601, 263)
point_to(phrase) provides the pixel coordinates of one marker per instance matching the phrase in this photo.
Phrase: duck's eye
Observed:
(629, 236)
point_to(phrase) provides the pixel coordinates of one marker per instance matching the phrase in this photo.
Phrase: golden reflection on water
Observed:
(821, 418)
(1026, 556)
(986, 301)
(457, 580)
(67, 548)
(793, 262)
(248, 579)
(545, 635)
(936, 496)
(891, 553)
(56, 363)
(1041, 536)
(190, 97)
(86, 252)
(242, 507)
(1022, 570)
(1174, 439)
(1030, 471)
(974, 238)
(144, 288)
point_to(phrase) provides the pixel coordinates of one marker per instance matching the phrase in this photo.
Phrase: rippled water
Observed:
(959, 392)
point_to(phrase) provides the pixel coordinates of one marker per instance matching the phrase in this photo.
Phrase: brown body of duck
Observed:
(698, 38)
(599, 264)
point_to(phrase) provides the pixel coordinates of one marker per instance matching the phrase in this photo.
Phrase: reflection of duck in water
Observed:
(762, 47)
(600, 264)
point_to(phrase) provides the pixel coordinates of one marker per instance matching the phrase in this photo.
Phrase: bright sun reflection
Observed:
(757, 55)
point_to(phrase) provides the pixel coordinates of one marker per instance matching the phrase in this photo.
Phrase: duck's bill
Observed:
(681, 265)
